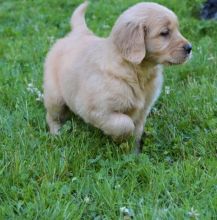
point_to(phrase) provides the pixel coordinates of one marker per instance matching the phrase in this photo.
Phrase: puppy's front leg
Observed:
(139, 142)
(139, 133)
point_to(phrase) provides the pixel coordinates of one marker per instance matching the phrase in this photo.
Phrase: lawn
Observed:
(83, 174)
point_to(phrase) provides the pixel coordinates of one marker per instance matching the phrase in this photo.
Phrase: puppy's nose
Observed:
(188, 48)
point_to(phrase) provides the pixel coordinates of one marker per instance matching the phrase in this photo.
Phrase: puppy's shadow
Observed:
(86, 138)
(89, 138)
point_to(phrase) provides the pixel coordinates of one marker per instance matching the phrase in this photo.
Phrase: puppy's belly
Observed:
(93, 102)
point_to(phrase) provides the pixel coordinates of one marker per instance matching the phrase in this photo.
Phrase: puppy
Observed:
(113, 82)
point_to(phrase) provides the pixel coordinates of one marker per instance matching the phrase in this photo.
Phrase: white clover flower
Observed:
(118, 186)
(154, 109)
(127, 213)
(30, 88)
(35, 91)
(51, 39)
(40, 97)
(74, 179)
(199, 50)
(167, 90)
(193, 213)
(141, 201)
(211, 58)
(105, 26)
(87, 199)
(36, 28)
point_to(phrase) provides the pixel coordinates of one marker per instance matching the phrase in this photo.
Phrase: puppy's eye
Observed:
(165, 33)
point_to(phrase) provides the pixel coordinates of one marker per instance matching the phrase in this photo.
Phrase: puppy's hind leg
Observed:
(54, 110)
(118, 125)
(56, 116)
(57, 111)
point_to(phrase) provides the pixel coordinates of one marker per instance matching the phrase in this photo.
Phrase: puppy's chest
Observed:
(135, 110)
(138, 105)
(145, 93)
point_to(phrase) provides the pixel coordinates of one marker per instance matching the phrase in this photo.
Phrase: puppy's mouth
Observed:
(169, 63)
(173, 63)
(169, 60)
(178, 61)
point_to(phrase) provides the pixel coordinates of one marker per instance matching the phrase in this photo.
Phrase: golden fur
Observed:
(113, 82)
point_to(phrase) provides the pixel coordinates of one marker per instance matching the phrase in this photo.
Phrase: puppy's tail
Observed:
(78, 18)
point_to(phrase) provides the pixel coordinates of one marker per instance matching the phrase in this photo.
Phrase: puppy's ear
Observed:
(130, 40)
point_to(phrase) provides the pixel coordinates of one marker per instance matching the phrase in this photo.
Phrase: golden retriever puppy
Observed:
(113, 82)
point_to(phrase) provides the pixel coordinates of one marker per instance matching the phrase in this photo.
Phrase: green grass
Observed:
(82, 174)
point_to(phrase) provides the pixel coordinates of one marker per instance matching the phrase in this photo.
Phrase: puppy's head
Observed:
(149, 31)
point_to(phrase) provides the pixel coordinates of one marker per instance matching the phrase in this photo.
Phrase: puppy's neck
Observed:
(146, 68)
(146, 72)
(148, 64)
